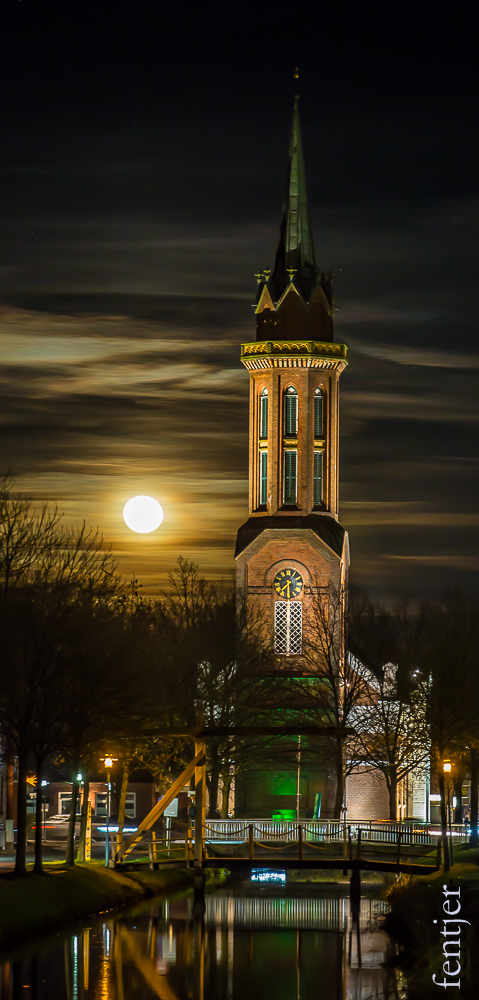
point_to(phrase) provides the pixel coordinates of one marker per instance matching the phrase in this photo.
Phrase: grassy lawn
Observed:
(415, 922)
(37, 904)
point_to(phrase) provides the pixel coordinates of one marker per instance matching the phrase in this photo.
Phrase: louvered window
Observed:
(318, 478)
(290, 477)
(263, 415)
(290, 412)
(288, 627)
(318, 413)
(263, 479)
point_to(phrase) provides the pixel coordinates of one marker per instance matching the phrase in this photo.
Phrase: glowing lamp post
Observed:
(447, 768)
(108, 762)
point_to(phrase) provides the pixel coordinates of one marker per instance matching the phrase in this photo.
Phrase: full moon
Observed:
(142, 514)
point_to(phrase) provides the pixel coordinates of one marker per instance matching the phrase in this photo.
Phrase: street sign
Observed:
(172, 809)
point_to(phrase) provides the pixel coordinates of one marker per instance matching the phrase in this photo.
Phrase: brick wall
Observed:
(366, 795)
(305, 380)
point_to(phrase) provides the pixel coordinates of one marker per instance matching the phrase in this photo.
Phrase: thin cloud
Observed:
(407, 355)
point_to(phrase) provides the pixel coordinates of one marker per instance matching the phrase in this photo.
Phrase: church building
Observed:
(292, 544)
(292, 552)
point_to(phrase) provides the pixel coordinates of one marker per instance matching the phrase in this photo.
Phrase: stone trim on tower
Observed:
(293, 449)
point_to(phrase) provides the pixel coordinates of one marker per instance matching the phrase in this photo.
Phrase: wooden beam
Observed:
(157, 983)
(293, 730)
(160, 807)
(200, 801)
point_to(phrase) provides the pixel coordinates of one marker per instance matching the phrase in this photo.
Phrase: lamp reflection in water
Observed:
(245, 946)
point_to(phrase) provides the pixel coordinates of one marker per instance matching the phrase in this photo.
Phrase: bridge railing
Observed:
(157, 849)
(327, 830)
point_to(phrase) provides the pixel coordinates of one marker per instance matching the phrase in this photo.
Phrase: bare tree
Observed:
(334, 682)
(449, 656)
(392, 735)
(48, 574)
(237, 687)
(214, 656)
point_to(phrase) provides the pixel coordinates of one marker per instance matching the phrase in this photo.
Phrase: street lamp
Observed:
(298, 780)
(108, 762)
(447, 768)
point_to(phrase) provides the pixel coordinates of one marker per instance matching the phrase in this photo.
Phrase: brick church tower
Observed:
(292, 542)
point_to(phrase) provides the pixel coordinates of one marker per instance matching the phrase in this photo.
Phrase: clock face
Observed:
(288, 583)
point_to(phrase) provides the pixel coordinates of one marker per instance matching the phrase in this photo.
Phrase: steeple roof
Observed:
(296, 248)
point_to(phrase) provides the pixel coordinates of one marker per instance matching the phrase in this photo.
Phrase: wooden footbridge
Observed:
(307, 844)
(241, 845)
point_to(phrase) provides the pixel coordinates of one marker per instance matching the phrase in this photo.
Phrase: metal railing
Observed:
(328, 830)
(280, 835)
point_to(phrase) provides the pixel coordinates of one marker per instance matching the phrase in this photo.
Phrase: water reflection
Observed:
(252, 943)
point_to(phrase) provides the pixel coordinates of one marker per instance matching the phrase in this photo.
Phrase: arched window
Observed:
(290, 412)
(288, 627)
(318, 478)
(263, 414)
(318, 413)
(263, 478)
(290, 477)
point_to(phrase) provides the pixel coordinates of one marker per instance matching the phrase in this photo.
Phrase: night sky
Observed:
(143, 159)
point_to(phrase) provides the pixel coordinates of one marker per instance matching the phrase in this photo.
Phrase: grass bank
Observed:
(415, 923)
(326, 876)
(39, 904)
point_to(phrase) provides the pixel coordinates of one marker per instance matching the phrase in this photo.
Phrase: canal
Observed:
(255, 942)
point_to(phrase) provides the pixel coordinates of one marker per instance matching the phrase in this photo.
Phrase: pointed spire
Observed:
(296, 248)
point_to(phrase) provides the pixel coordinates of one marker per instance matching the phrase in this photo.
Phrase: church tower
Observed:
(292, 542)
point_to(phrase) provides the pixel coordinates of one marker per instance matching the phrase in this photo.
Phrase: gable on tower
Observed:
(296, 299)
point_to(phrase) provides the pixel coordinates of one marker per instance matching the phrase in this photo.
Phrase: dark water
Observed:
(255, 943)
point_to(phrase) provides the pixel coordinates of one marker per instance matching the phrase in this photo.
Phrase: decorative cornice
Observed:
(294, 354)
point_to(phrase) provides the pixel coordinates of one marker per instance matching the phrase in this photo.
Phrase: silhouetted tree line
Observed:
(401, 687)
(422, 709)
(88, 664)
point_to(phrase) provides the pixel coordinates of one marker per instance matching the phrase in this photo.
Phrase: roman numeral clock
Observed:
(288, 583)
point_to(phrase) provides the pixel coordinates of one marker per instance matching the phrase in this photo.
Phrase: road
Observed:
(53, 850)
